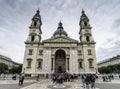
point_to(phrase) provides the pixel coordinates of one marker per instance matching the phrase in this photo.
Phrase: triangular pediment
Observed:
(60, 39)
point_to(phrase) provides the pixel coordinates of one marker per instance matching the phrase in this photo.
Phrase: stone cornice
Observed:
(87, 42)
(60, 39)
(32, 42)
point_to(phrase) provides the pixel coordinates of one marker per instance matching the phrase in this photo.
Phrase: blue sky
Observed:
(15, 18)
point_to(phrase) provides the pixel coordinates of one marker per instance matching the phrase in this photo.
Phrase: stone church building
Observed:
(60, 53)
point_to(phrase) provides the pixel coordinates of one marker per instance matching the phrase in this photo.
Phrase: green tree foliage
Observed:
(20, 68)
(15, 70)
(110, 69)
(3, 68)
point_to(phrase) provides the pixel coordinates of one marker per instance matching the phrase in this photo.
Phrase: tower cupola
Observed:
(36, 20)
(35, 29)
(84, 21)
(85, 29)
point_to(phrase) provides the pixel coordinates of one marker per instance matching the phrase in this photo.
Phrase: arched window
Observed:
(39, 61)
(87, 38)
(90, 63)
(29, 62)
(39, 64)
(85, 23)
(35, 23)
(32, 38)
(80, 63)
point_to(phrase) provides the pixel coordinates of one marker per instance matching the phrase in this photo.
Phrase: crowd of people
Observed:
(63, 77)
(107, 78)
(88, 80)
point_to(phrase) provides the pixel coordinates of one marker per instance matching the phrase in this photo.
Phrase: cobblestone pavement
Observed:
(108, 86)
(114, 84)
(15, 81)
(117, 81)
(13, 84)
(47, 84)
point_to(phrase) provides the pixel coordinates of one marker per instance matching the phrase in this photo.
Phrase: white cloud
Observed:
(16, 15)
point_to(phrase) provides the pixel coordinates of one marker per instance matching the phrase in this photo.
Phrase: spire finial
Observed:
(60, 24)
(38, 11)
(83, 11)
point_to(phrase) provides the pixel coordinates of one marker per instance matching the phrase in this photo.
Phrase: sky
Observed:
(16, 15)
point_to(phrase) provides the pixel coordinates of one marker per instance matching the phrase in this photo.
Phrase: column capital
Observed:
(53, 56)
(67, 56)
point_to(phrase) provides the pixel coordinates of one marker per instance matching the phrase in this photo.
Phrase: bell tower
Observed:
(88, 44)
(85, 29)
(35, 29)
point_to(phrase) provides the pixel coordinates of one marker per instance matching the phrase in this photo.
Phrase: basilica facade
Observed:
(60, 53)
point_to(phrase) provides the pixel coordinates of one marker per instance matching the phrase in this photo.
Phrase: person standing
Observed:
(93, 81)
(37, 77)
(87, 80)
(109, 78)
(20, 79)
(83, 80)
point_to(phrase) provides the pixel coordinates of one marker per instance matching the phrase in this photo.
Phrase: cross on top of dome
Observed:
(60, 24)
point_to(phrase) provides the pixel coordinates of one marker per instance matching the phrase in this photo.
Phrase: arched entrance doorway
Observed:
(60, 61)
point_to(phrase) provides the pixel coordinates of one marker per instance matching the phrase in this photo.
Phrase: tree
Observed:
(110, 69)
(103, 70)
(15, 70)
(20, 68)
(3, 68)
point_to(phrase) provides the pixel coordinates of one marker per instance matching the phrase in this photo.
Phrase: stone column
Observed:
(66, 65)
(53, 65)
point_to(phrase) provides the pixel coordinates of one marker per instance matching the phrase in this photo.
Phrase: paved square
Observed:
(47, 84)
